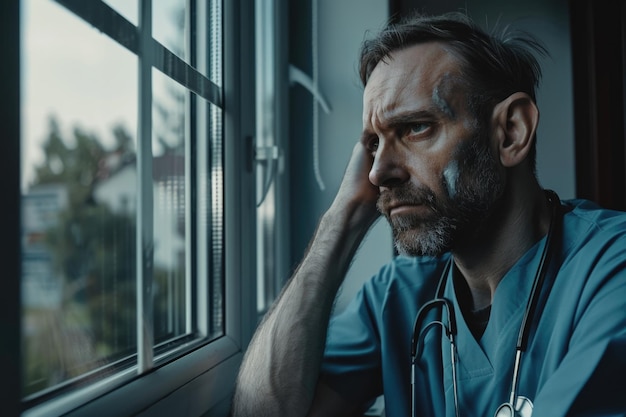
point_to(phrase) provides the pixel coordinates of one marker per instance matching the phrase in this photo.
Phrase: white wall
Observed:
(344, 25)
(548, 20)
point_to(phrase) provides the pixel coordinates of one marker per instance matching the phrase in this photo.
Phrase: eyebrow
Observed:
(408, 117)
(403, 119)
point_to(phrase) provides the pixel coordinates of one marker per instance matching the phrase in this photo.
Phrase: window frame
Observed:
(10, 314)
(182, 384)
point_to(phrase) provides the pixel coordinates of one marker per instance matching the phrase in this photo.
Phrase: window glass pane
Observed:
(127, 8)
(215, 41)
(170, 217)
(215, 165)
(79, 97)
(216, 271)
(169, 25)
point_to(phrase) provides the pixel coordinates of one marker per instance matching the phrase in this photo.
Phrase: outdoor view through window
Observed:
(81, 162)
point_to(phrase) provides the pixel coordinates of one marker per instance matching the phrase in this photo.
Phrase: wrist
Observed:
(353, 215)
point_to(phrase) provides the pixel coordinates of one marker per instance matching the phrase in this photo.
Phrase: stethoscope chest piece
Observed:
(523, 408)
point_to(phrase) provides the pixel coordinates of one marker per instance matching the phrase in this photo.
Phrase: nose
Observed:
(389, 168)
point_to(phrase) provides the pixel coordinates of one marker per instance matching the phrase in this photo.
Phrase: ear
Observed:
(514, 123)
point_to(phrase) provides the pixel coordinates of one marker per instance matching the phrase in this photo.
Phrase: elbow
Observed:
(253, 400)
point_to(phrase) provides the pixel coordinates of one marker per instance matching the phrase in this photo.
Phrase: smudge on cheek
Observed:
(451, 176)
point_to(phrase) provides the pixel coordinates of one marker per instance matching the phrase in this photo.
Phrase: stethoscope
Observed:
(517, 405)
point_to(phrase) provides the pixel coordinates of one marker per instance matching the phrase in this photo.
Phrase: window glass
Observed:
(82, 248)
(216, 271)
(170, 209)
(169, 25)
(215, 41)
(79, 98)
(216, 163)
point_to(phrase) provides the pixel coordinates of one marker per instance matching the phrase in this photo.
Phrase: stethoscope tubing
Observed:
(535, 292)
(419, 330)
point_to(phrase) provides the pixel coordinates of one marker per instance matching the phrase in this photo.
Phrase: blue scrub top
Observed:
(575, 363)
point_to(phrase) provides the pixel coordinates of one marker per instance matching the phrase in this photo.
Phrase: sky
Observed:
(79, 75)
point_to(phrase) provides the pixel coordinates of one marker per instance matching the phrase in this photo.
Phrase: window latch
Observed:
(267, 157)
(266, 153)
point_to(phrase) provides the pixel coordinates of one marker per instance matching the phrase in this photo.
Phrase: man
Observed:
(447, 156)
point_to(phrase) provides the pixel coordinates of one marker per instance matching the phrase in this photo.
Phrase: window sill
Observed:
(180, 388)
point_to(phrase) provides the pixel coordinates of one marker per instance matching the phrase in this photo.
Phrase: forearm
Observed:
(280, 370)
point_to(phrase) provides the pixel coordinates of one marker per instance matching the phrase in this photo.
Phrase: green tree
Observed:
(93, 250)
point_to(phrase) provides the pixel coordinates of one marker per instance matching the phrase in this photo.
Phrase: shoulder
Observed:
(588, 227)
(594, 261)
(598, 219)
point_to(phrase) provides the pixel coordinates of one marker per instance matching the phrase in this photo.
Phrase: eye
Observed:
(372, 145)
(417, 128)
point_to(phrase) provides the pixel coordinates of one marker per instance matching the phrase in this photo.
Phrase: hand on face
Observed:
(356, 191)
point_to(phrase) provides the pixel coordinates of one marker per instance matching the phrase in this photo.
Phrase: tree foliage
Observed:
(93, 252)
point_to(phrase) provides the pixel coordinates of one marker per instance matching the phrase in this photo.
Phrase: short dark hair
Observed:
(494, 66)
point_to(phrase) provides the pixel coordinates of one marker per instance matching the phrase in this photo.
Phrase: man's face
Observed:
(432, 161)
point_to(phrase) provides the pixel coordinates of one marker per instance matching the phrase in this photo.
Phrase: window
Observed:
(272, 151)
(134, 200)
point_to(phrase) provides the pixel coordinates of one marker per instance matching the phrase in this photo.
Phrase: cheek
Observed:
(427, 172)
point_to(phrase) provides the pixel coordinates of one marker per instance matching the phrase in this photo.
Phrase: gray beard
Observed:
(456, 217)
(433, 241)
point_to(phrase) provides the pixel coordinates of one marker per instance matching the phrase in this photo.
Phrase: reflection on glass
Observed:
(170, 189)
(169, 25)
(127, 8)
(78, 198)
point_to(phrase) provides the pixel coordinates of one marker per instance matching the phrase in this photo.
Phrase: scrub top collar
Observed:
(478, 358)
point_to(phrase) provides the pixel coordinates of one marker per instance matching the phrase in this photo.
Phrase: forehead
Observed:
(422, 75)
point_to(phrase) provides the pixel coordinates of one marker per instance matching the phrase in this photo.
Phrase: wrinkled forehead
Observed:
(423, 75)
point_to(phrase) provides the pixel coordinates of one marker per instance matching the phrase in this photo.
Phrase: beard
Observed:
(472, 185)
